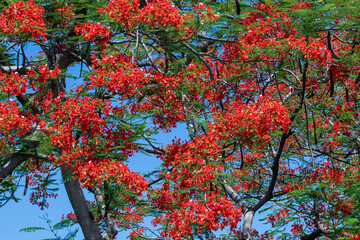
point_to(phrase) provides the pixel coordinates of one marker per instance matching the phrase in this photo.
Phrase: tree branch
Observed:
(211, 72)
(150, 151)
(233, 195)
(312, 236)
(81, 209)
(110, 231)
(21, 69)
(13, 162)
(247, 225)
(275, 169)
(215, 39)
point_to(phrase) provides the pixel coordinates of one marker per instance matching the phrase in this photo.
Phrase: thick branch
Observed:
(21, 70)
(110, 231)
(312, 236)
(211, 72)
(63, 62)
(233, 195)
(330, 47)
(230, 192)
(247, 225)
(81, 209)
(275, 169)
(150, 151)
(13, 162)
(215, 39)
(150, 58)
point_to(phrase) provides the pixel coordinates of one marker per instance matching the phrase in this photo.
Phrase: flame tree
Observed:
(267, 91)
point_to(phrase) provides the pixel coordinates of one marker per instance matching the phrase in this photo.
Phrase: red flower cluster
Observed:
(13, 123)
(94, 32)
(93, 171)
(13, 83)
(191, 214)
(156, 12)
(40, 193)
(351, 236)
(45, 73)
(263, 32)
(258, 120)
(23, 17)
(118, 74)
(78, 112)
(207, 14)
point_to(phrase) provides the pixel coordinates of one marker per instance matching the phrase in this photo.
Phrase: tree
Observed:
(267, 91)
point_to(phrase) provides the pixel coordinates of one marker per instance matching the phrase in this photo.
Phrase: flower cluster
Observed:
(258, 120)
(79, 113)
(94, 32)
(40, 192)
(197, 216)
(45, 73)
(205, 12)
(13, 123)
(118, 74)
(23, 17)
(155, 13)
(13, 83)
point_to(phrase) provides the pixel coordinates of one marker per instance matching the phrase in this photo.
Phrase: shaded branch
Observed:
(215, 39)
(312, 236)
(13, 162)
(211, 72)
(330, 47)
(111, 232)
(150, 58)
(153, 145)
(79, 204)
(21, 69)
(275, 169)
(233, 195)
(150, 151)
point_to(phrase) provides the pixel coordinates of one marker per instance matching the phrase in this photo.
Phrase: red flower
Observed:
(21, 17)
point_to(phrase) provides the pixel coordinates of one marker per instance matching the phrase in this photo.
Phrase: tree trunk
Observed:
(247, 225)
(81, 209)
(13, 162)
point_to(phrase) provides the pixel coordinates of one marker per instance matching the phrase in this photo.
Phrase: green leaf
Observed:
(71, 235)
(351, 221)
(31, 229)
(63, 224)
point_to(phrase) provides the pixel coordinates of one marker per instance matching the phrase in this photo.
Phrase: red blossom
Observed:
(26, 17)
(94, 32)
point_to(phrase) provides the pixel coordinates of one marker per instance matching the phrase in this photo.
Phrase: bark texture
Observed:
(13, 162)
(81, 209)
